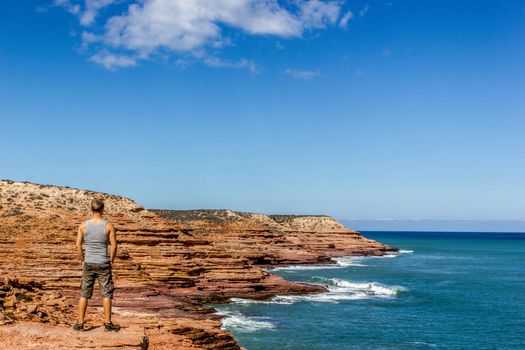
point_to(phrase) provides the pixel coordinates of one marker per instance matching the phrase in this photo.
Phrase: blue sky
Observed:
(357, 109)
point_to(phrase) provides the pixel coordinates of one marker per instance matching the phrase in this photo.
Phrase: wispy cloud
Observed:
(318, 14)
(86, 11)
(91, 9)
(302, 74)
(68, 5)
(345, 18)
(112, 61)
(152, 27)
(222, 63)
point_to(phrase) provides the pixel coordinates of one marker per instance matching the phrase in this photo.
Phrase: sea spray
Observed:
(240, 322)
(349, 261)
(338, 290)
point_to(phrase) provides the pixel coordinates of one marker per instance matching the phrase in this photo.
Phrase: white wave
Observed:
(242, 301)
(338, 290)
(346, 261)
(341, 261)
(369, 288)
(430, 345)
(303, 267)
(356, 260)
(274, 300)
(383, 256)
(236, 320)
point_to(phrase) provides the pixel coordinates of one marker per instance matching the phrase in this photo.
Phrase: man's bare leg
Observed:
(107, 309)
(82, 306)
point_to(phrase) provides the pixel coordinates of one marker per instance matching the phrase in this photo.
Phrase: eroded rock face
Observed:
(169, 265)
(270, 240)
(25, 300)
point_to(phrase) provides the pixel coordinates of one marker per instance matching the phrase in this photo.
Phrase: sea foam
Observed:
(236, 320)
(338, 290)
(347, 261)
(340, 262)
(303, 267)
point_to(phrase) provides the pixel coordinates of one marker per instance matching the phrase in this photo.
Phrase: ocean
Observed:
(442, 291)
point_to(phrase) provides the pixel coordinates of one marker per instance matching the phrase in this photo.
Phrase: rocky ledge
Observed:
(170, 264)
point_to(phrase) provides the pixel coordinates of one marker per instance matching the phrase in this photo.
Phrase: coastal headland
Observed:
(170, 265)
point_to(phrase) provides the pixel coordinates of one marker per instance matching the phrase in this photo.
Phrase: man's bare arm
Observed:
(80, 239)
(113, 242)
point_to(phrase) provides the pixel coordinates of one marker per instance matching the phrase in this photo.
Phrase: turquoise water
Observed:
(445, 291)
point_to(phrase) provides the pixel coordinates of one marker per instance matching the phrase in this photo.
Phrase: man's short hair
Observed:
(97, 205)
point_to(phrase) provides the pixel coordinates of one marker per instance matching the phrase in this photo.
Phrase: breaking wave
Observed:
(243, 323)
(303, 267)
(338, 290)
(392, 255)
(347, 261)
(341, 262)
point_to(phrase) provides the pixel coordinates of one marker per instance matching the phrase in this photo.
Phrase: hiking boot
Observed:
(79, 327)
(111, 327)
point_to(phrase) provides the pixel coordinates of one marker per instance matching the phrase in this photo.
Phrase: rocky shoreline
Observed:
(170, 264)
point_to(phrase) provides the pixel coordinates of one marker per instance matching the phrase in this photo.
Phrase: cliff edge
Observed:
(170, 264)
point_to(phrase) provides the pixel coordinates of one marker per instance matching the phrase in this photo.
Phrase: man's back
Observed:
(96, 240)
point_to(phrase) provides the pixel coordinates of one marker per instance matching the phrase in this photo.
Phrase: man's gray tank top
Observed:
(96, 241)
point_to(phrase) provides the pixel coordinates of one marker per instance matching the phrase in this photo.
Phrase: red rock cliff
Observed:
(169, 265)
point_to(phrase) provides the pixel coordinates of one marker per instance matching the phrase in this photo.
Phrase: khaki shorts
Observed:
(102, 272)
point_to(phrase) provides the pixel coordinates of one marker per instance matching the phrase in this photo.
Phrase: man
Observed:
(96, 264)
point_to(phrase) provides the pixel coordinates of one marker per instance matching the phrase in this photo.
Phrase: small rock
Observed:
(32, 309)
(10, 302)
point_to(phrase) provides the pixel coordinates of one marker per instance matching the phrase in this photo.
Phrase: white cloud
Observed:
(86, 13)
(346, 17)
(318, 14)
(302, 74)
(91, 9)
(180, 25)
(221, 63)
(112, 61)
(88, 38)
(150, 27)
(70, 7)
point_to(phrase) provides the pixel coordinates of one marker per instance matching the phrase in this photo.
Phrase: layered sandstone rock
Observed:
(270, 240)
(169, 265)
